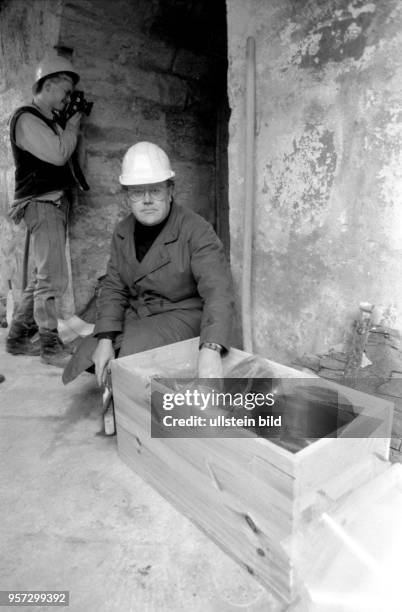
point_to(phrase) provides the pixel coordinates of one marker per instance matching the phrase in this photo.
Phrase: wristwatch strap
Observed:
(106, 335)
(213, 346)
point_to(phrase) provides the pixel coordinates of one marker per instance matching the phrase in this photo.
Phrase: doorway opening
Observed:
(199, 27)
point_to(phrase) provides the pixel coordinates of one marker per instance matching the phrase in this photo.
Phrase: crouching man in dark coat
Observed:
(167, 279)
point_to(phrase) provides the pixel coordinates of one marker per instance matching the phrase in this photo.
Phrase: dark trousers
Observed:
(47, 224)
(139, 334)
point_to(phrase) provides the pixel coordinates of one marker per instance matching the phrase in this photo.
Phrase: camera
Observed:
(77, 104)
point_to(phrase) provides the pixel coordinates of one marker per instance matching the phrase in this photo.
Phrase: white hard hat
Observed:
(51, 65)
(145, 163)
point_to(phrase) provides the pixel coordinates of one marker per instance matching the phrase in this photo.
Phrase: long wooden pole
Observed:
(249, 197)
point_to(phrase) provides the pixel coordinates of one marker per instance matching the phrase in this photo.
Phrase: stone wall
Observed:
(27, 30)
(153, 71)
(328, 226)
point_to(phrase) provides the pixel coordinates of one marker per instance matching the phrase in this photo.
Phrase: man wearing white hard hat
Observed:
(167, 279)
(42, 152)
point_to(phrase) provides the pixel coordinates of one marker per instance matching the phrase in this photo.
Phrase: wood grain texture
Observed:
(248, 494)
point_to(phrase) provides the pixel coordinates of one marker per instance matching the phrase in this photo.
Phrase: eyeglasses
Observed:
(156, 193)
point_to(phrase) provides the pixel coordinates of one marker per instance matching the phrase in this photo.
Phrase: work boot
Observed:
(19, 339)
(52, 349)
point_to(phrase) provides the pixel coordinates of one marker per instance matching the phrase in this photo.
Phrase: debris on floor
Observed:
(379, 370)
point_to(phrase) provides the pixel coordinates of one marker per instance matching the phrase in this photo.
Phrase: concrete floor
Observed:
(74, 517)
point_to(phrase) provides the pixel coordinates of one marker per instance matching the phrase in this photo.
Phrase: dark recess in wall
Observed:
(197, 25)
(3, 4)
(200, 26)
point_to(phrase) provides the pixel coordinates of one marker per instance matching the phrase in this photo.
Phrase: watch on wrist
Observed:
(213, 346)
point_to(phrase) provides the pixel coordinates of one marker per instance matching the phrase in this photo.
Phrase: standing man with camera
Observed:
(44, 174)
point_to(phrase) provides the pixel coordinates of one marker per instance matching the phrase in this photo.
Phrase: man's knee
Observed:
(51, 285)
(60, 285)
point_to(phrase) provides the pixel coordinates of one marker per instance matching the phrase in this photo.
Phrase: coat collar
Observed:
(157, 255)
(169, 232)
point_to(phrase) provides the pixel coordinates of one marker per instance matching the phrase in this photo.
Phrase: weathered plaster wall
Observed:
(27, 29)
(328, 204)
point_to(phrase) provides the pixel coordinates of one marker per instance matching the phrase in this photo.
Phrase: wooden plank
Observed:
(244, 492)
(234, 531)
(136, 390)
(337, 456)
(182, 357)
(227, 528)
(313, 502)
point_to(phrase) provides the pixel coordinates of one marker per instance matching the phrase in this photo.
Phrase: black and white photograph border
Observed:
(200, 189)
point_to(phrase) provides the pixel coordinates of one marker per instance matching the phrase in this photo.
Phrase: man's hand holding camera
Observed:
(74, 120)
(74, 109)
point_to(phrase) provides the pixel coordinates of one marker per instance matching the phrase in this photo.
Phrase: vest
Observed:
(33, 176)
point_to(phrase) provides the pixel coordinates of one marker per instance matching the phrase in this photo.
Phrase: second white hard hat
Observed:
(145, 163)
(51, 65)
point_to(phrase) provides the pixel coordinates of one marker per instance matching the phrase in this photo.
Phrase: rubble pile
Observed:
(380, 373)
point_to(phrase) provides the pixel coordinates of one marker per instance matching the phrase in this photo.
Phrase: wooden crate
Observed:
(248, 494)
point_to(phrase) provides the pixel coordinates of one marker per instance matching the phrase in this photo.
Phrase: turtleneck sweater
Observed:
(145, 236)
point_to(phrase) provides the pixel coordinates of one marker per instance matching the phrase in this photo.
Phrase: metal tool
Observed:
(108, 407)
(361, 329)
(9, 304)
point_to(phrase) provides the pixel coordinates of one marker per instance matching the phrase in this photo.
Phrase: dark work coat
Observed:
(182, 288)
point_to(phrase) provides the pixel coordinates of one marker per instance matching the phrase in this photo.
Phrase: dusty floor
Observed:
(75, 518)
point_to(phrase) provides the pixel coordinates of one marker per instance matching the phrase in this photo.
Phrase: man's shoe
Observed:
(2, 378)
(19, 340)
(52, 350)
